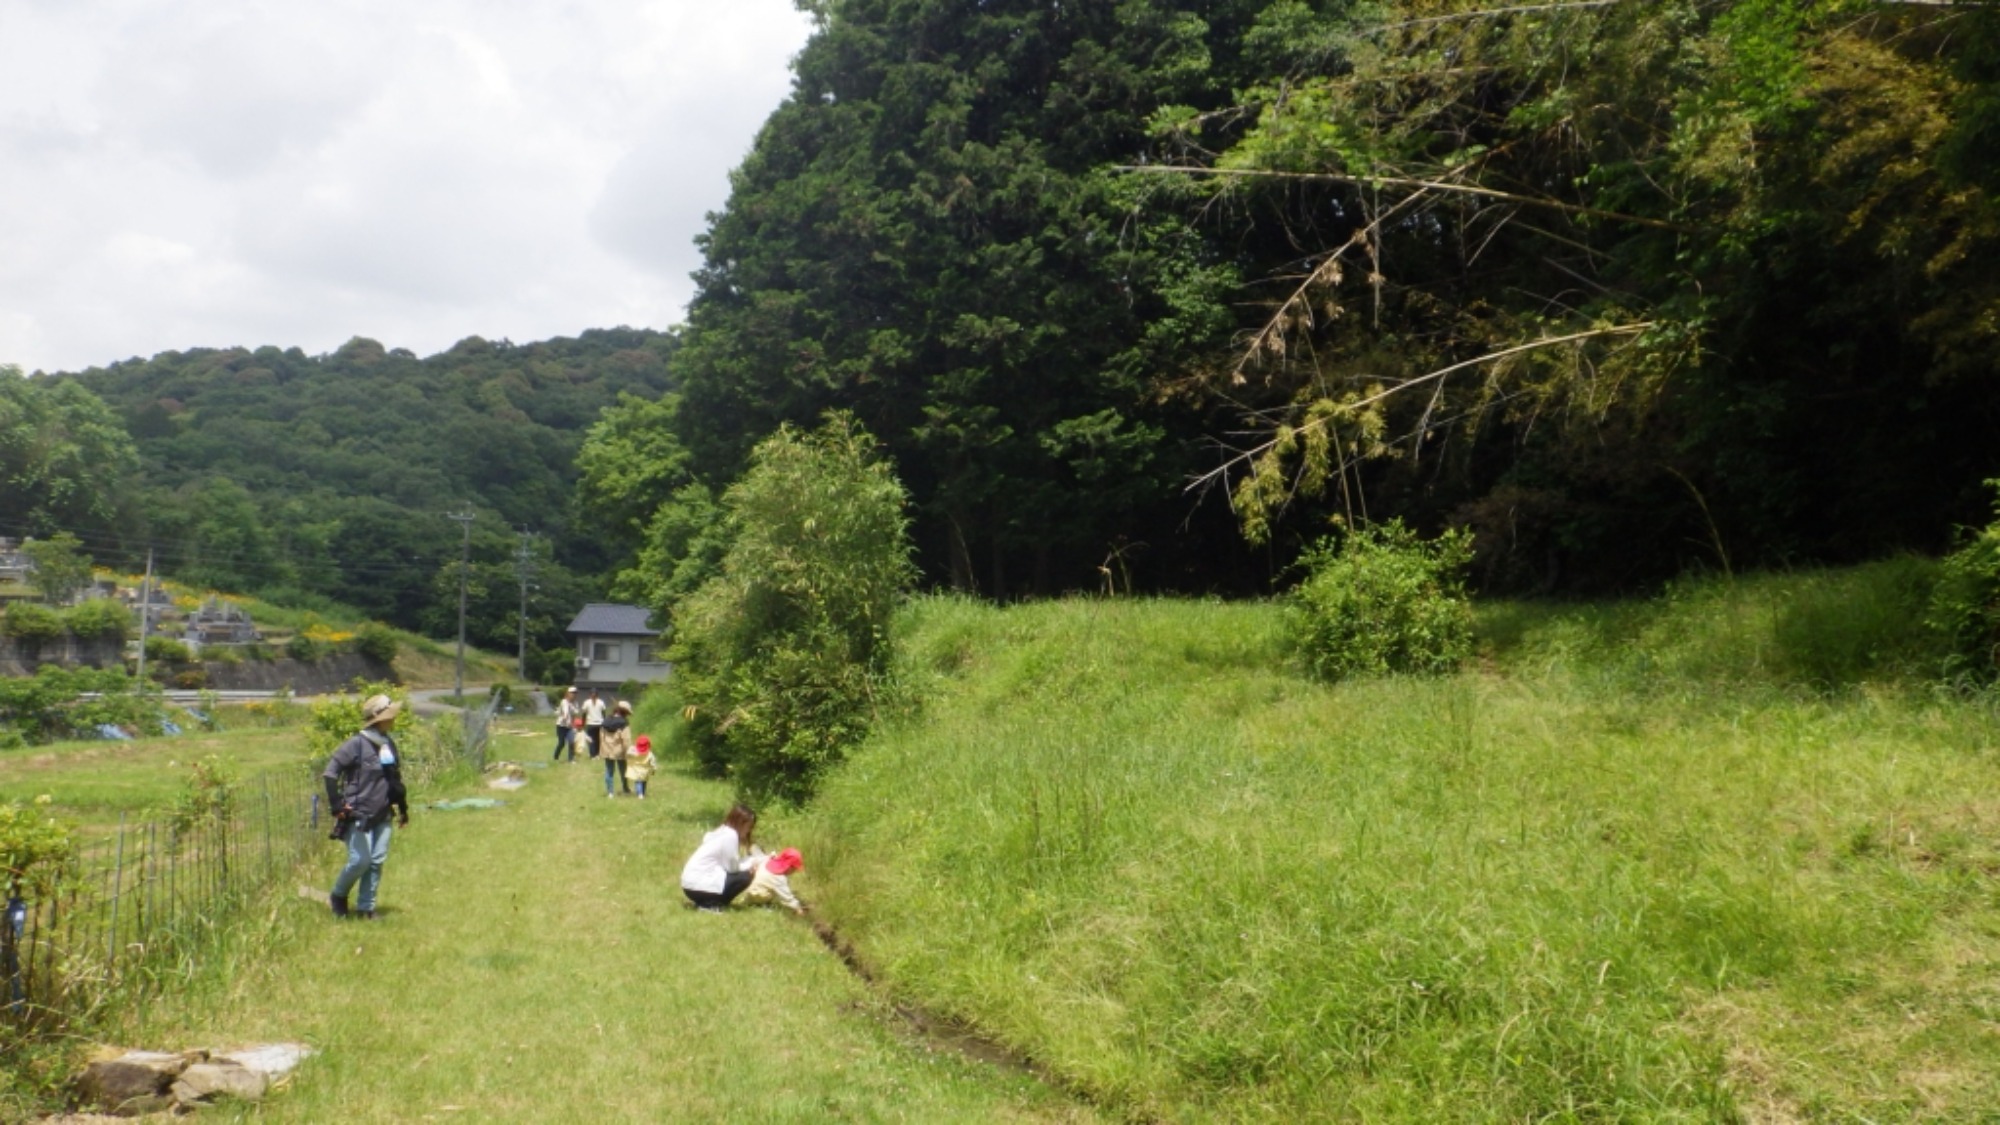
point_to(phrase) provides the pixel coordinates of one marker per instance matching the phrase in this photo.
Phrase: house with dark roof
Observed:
(617, 643)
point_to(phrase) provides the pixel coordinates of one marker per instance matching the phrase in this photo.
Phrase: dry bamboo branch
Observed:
(1222, 471)
(1431, 185)
(1525, 9)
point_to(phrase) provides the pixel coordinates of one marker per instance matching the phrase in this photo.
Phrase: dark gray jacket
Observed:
(355, 780)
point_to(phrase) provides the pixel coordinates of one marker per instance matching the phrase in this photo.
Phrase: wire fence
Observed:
(479, 732)
(141, 904)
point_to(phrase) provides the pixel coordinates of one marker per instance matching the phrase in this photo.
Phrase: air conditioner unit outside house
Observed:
(583, 661)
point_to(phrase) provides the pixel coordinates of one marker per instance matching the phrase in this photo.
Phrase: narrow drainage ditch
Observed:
(943, 1033)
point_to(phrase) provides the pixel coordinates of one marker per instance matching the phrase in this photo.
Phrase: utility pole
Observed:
(463, 519)
(527, 561)
(146, 615)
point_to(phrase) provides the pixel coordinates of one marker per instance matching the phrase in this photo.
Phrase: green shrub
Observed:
(336, 719)
(305, 649)
(554, 667)
(51, 703)
(31, 622)
(779, 660)
(1965, 606)
(207, 798)
(1381, 600)
(167, 650)
(100, 617)
(377, 642)
(430, 749)
(35, 849)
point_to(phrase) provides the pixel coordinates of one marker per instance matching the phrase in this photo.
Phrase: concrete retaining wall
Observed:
(334, 673)
(21, 658)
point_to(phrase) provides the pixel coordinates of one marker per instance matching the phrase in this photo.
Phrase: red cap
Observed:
(644, 745)
(785, 862)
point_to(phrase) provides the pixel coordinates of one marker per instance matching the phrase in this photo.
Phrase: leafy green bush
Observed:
(51, 703)
(208, 797)
(305, 649)
(1383, 600)
(1965, 606)
(168, 650)
(35, 849)
(336, 719)
(100, 617)
(377, 642)
(780, 659)
(31, 622)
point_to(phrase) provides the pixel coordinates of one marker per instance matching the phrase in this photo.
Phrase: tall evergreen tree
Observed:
(926, 234)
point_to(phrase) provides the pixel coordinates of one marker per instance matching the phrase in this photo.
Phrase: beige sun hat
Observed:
(379, 709)
(623, 706)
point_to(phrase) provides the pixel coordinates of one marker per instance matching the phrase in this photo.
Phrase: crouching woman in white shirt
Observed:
(711, 879)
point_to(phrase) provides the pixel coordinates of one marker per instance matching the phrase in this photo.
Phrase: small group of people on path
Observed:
(627, 760)
(728, 865)
(365, 791)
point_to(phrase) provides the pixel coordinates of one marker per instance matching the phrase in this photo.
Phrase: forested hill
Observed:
(332, 475)
(1624, 286)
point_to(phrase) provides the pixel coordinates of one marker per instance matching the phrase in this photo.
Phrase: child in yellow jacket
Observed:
(770, 882)
(639, 765)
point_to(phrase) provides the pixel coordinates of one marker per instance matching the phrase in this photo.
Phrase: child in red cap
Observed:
(770, 883)
(639, 766)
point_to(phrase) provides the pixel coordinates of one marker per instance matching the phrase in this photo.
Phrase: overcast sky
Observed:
(190, 173)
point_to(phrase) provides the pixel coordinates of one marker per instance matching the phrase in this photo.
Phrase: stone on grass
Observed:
(203, 1083)
(273, 1060)
(508, 776)
(131, 1082)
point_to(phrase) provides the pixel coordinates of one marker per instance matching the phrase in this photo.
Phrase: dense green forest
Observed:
(303, 477)
(1146, 294)
(1623, 287)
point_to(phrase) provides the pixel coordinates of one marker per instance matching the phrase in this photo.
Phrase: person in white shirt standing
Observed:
(712, 878)
(593, 720)
(566, 717)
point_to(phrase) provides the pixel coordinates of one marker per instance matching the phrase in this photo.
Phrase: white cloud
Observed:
(180, 173)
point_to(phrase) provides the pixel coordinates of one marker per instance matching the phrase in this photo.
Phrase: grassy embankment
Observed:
(1718, 854)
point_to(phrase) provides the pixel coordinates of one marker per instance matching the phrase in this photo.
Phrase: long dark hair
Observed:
(743, 821)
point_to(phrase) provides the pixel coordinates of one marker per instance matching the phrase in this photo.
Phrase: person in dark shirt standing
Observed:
(364, 788)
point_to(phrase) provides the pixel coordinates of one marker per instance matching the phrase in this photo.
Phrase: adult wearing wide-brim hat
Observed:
(615, 744)
(364, 788)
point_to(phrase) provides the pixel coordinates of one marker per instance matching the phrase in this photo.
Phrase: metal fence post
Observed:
(117, 886)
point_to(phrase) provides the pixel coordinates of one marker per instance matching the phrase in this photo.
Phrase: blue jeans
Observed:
(614, 767)
(367, 851)
(565, 740)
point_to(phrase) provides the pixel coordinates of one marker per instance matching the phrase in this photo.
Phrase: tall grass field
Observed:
(1723, 855)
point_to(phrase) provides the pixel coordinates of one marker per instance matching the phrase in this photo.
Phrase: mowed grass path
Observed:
(536, 963)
